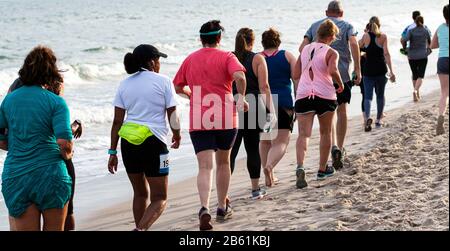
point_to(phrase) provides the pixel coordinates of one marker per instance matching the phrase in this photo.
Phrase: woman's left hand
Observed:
(112, 163)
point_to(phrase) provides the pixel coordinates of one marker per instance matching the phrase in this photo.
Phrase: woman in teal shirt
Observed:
(37, 135)
(440, 40)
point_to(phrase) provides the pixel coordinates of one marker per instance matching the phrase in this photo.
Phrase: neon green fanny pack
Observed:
(134, 133)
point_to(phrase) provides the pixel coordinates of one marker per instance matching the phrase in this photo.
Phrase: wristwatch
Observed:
(112, 152)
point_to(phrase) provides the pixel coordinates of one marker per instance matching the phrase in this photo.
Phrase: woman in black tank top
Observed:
(377, 56)
(257, 83)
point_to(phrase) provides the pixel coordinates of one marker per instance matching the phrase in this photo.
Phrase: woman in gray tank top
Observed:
(419, 49)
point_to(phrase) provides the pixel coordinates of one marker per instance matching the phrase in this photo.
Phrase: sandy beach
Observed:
(395, 178)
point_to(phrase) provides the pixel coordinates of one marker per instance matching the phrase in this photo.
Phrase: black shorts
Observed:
(317, 105)
(71, 171)
(418, 67)
(285, 118)
(213, 139)
(442, 66)
(346, 95)
(150, 157)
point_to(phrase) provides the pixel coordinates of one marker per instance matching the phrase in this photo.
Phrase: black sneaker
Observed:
(205, 219)
(337, 158)
(224, 214)
(329, 171)
(301, 180)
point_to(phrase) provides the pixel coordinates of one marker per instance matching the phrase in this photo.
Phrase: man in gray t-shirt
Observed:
(347, 47)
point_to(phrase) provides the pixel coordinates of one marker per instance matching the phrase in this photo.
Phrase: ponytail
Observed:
(131, 64)
(374, 26)
(419, 21)
(244, 38)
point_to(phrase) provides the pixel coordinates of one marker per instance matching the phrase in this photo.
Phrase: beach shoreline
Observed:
(357, 198)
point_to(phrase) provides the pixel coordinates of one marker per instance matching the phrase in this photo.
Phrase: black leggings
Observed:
(418, 67)
(251, 143)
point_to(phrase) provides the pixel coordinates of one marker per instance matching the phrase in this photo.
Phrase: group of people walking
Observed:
(221, 86)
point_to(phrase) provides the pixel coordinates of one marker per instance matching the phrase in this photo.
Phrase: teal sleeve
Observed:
(61, 121)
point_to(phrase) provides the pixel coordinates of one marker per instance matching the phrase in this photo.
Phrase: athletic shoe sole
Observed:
(222, 218)
(301, 180)
(325, 176)
(258, 197)
(337, 160)
(205, 222)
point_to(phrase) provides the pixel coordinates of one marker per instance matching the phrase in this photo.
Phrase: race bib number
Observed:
(164, 163)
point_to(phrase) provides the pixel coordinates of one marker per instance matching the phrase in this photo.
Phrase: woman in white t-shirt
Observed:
(146, 97)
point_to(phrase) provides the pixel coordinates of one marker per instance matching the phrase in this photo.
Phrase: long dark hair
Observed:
(212, 26)
(244, 38)
(39, 68)
(445, 12)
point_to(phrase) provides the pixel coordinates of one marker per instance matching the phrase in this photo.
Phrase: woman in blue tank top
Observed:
(440, 40)
(280, 64)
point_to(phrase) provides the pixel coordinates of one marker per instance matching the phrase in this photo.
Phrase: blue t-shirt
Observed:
(34, 118)
(341, 45)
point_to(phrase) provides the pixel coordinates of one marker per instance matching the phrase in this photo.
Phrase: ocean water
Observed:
(90, 39)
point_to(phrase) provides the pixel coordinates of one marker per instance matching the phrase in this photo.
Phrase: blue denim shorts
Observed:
(47, 187)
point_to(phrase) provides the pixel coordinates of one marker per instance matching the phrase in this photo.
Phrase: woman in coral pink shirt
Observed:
(206, 78)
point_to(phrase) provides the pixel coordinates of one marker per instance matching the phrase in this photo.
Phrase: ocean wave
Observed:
(85, 73)
(105, 48)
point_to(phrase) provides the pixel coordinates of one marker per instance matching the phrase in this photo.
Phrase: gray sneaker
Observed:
(258, 194)
(224, 214)
(301, 179)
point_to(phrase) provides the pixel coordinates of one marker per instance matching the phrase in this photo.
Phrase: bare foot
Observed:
(275, 180)
(269, 177)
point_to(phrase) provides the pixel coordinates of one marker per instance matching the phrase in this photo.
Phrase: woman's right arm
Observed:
(119, 116)
(174, 122)
(435, 41)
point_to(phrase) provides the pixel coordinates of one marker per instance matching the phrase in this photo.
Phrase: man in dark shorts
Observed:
(77, 130)
(348, 48)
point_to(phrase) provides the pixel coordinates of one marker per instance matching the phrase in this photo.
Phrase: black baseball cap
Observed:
(150, 50)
